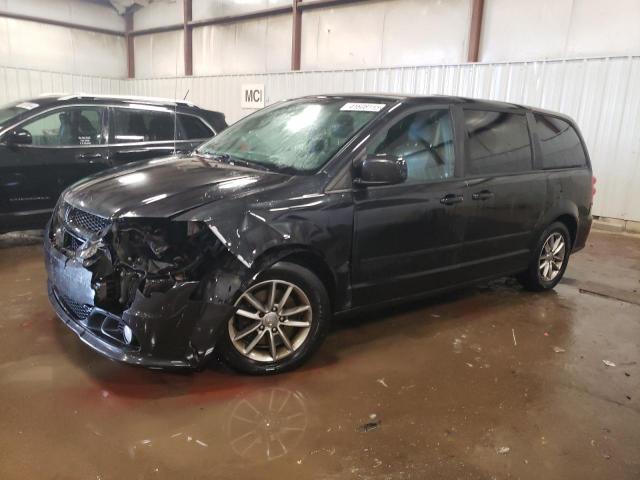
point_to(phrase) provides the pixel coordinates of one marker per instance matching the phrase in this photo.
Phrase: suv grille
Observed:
(85, 221)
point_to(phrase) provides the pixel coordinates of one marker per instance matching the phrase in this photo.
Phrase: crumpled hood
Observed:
(166, 187)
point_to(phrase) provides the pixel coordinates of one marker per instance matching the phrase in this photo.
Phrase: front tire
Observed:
(549, 260)
(280, 319)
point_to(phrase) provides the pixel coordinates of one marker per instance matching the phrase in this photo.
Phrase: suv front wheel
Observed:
(549, 260)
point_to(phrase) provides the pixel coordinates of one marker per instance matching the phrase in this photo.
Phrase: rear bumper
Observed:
(170, 330)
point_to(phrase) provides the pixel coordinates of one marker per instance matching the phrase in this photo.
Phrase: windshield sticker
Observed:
(363, 107)
(27, 105)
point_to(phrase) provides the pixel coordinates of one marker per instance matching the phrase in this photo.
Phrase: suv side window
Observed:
(192, 128)
(133, 125)
(67, 127)
(425, 141)
(560, 144)
(497, 142)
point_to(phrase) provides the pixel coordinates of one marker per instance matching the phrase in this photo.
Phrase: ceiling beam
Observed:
(60, 23)
(314, 4)
(265, 12)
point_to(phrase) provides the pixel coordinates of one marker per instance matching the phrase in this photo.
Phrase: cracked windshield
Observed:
(293, 137)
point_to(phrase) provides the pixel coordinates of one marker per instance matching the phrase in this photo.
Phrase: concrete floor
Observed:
(489, 382)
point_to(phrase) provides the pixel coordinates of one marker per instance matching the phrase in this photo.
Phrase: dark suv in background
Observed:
(49, 142)
(310, 208)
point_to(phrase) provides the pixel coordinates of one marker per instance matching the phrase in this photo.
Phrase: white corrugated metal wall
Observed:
(602, 94)
(18, 83)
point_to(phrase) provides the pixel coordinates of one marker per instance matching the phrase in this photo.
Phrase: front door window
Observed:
(69, 127)
(424, 140)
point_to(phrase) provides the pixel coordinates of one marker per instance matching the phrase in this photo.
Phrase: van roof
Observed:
(439, 99)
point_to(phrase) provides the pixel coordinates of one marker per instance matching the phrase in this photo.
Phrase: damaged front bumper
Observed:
(164, 329)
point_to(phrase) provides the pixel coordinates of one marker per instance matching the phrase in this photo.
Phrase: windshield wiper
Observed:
(226, 158)
(246, 163)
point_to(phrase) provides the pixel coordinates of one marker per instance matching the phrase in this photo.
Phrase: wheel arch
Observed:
(571, 223)
(306, 257)
(563, 211)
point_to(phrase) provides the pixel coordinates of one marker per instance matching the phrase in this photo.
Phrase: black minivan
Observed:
(311, 208)
(50, 142)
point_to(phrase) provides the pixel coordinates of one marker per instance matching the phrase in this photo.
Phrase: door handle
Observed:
(482, 195)
(89, 156)
(451, 198)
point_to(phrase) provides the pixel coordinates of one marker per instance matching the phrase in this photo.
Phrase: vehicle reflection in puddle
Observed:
(262, 426)
(268, 424)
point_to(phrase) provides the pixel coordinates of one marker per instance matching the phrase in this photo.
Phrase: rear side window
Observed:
(497, 142)
(560, 144)
(132, 125)
(67, 127)
(192, 128)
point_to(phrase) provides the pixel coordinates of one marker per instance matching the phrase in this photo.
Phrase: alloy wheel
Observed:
(552, 257)
(272, 320)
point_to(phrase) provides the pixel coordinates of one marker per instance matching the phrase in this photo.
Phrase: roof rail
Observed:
(127, 97)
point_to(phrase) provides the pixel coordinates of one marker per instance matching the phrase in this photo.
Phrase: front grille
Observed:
(84, 221)
(79, 311)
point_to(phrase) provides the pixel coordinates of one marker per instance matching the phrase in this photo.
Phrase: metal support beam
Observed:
(475, 31)
(263, 13)
(188, 38)
(128, 36)
(296, 34)
(266, 12)
(59, 23)
(296, 8)
(313, 4)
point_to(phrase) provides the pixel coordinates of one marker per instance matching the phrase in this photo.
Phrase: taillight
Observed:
(593, 187)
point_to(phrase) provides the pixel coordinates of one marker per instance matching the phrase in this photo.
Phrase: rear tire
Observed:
(549, 260)
(267, 335)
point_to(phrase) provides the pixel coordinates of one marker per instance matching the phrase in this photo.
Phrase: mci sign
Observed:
(252, 96)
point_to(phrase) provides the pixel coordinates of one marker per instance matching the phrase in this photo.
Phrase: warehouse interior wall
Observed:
(384, 33)
(32, 45)
(365, 34)
(551, 29)
(261, 45)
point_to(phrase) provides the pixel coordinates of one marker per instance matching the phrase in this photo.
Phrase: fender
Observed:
(258, 234)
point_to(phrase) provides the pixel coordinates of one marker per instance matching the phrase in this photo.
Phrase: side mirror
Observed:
(381, 170)
(18, 136)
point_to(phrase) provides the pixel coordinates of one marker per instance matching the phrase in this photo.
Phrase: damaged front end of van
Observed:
(158, 290)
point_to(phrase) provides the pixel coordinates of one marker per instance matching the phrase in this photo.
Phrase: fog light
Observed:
(127, 334)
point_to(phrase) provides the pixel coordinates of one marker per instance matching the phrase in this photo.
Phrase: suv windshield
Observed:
(293, 137)
(10, 110)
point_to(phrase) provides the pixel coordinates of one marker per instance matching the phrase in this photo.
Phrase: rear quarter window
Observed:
(497, 142)
(133, 125)
(559, 143)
